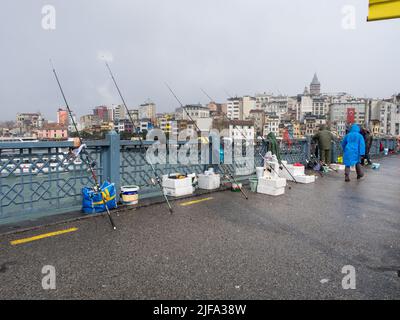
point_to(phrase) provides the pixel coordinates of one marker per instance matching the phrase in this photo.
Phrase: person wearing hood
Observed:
(368, 143)
(324, 137)
(353, 149)
(273, 146)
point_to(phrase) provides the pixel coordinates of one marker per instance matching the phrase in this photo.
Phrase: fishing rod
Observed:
(157, 180)
(211, 99)
(284, 166)
(223, 113)
(222, 167)
(97, 187)
(241, 131)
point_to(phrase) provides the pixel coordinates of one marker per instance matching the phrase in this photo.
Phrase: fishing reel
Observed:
(155, 181)
(91, 166)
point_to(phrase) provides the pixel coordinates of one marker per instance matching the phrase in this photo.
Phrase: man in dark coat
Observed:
(368, 143)
(324, 137)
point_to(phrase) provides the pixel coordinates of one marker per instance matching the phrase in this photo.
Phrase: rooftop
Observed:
(224, 247)
(315, 80)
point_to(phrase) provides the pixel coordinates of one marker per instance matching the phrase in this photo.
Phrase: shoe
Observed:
(347, 179)
(360, 177)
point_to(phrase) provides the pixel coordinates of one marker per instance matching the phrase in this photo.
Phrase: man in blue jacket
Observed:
(353, 148)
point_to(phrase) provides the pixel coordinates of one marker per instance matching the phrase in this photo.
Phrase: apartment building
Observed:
(271, 124)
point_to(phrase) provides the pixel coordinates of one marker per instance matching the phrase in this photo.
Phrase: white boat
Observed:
(44, 166)
(18, 139)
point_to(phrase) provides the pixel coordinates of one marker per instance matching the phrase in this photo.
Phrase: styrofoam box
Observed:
(178, 192)
(176, 183)
(305, 179)
(272, 183)
(294, 170)
(209, 182)
(299, 178)
(271, 191)
(337, 166)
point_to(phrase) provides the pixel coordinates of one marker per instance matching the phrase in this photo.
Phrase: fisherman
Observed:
(273, 146)
(368, 143)
(354, 148)
(324, 138)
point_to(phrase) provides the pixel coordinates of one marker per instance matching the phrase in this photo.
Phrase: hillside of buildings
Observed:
(252, 115)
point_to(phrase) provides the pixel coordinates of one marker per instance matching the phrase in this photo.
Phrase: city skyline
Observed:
(54, 113)
(243, 48)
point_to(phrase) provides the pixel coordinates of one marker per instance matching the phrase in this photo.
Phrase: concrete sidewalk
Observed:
(289, 247)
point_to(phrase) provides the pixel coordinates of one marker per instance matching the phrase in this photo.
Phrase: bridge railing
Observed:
(37, 179)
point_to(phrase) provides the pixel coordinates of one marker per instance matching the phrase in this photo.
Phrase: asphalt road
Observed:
(288, 247)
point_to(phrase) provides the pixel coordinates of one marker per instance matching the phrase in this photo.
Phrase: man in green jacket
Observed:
(324, 137)
(273, 146)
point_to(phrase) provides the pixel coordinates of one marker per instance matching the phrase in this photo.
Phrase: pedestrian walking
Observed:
(353, 148)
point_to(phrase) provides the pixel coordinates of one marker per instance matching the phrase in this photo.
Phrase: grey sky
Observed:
(243, 46)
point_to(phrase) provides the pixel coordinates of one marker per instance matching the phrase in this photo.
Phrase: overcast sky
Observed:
(236, 46)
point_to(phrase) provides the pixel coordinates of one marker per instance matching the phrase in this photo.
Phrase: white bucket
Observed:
(386, 151)
(260, 172)
(130, 195)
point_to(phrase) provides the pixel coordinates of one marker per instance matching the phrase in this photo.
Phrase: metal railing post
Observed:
(110, 159)
(334, 153)
(308, 147)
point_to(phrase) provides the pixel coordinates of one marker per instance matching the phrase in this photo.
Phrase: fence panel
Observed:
(38, 180)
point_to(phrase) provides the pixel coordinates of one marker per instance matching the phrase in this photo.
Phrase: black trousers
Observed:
(366, 157)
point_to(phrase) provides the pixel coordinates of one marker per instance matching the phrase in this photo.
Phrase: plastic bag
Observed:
(93, 200)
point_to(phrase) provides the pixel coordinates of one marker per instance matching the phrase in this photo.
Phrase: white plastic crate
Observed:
(209, 182)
